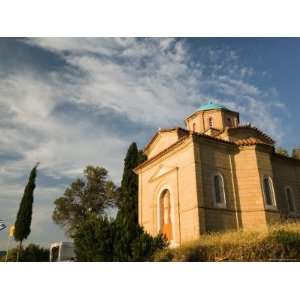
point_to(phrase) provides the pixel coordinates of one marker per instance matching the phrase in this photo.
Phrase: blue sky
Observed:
(69, 102)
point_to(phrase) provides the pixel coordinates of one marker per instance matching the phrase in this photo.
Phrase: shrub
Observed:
(279, 243)
(93, 240)
(32, 253)
(102, 239)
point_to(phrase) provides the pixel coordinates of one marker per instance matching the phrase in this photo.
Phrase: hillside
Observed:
(279, 243)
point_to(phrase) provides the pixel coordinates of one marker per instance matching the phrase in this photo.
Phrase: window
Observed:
(229, 122)
(210, 122)
(290, 199)
(269, 194)
(194, 127)
(219, 191)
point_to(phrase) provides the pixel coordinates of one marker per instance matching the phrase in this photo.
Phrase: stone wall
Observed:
(176, 172)
(187, 170)
(216, 158)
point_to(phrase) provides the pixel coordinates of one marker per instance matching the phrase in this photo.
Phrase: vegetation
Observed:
(126, 224)
(24, 216)
(280, 243)
(282, 151)
(98, 238)
(128, 201)
(93, 240)
(32, 253)
(92, 196)
(296, 153)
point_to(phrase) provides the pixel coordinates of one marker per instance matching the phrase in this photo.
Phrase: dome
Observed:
(211, 105)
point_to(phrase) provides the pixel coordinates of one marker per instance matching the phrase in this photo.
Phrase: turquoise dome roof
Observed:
(211, 105)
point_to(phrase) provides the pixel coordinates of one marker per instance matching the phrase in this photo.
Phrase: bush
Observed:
(32, 253)
(280, 243)
(144, 246)
(93, 240)
(101, 239)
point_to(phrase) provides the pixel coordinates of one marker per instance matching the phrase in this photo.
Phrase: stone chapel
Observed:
(216, 174)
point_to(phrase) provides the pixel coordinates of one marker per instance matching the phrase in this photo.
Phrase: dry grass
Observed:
(279, 243)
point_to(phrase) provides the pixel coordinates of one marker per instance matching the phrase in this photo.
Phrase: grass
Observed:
(279, 243)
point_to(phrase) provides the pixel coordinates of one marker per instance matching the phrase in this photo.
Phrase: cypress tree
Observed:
(129, 185)
(127, 228)
(23, 221)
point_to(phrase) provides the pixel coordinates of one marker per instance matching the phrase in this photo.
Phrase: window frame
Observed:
(294, 211)
(272, 190)
(224, 203)
(210, 122)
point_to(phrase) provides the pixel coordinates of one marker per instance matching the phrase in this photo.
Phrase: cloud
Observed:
(107, 93)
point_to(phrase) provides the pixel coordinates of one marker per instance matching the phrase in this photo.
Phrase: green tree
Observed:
(96, 238)
(127, 217)
(296, 153)
(128, 201)
(24, 216)
(93, 239)
(282, 151)
(35, 253)
(130, 237)
(92, 196)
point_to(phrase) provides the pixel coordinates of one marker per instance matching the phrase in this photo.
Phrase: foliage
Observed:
(128, 201)
(32, 253)
(95, 240)
(24, 216)
(296, 153)
(126, 224)
(282, 151)
(279, 243)
(93, 195)
(101, 239)
(145, 246)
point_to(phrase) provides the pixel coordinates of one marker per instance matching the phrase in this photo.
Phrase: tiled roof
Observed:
(249, 142)
(187, 133)
(181, 140)
(215, 138)
(256, 129)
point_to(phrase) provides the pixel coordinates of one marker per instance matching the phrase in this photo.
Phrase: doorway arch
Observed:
(165, 212)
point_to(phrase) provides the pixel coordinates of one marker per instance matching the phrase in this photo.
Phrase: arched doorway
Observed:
(166, 227)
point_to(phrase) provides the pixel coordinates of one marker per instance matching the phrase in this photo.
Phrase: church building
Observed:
(216, 174)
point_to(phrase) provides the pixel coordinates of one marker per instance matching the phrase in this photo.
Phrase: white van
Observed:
(62, 251)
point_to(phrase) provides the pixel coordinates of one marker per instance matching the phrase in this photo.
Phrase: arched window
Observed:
(229, 122)
(269, 193)
(289, 194)
(219, 190)
(194, 127)
(210, 122)
(165, 214)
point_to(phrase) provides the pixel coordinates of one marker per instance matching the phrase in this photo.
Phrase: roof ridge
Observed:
(163, 130)
(179, 141)
(255, 128)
